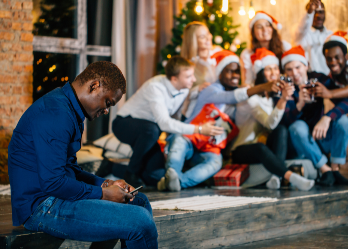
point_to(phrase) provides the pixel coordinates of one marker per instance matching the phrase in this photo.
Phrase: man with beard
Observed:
(49, 192)
(311, 35)
(313, 133)
(224, 94)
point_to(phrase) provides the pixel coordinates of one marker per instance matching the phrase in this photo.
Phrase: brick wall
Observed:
(16, 68)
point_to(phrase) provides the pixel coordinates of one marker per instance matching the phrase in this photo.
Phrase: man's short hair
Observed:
(332, 44)
(107, 73)
(175, 64)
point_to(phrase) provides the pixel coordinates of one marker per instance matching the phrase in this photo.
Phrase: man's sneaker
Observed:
(172, 181)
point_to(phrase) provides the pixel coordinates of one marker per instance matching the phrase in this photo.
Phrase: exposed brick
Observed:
(27, 37)
(16, 26)
(16, 90)
(6, 36)
(6, 57)
(5, 123)
(16, 47)
(17, 68)
(26, 99)
(5, 14)
(6, 46)
(28, 5)
(7, 79)
(28, 47)
(17, 6)
(27, 26)
(8, 100)
(5, 24)
(23, 57)
(28, 68)
(28, 88)
(27, 79)
(5, 89)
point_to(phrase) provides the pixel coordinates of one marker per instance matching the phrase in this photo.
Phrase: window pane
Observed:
(52, 71)
(55, 18)
(100, 126)
(99, 20)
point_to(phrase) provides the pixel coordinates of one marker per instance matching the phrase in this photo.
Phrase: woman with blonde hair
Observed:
(197, 47)
(263, 35)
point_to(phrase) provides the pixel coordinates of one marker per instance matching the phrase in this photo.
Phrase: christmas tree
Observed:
(219, 23)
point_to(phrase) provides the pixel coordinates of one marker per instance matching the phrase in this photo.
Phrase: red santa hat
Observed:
(339, 36)
(263, 58)
(223, 58)
(263, 15)
(294, 54)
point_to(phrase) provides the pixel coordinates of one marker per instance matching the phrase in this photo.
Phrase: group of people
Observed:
(278, 116)
(209, 100)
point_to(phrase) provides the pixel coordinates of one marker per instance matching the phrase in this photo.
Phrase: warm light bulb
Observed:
(251, 12)
(199, 7)
(273, 2)
(224, 8)
(241, 11)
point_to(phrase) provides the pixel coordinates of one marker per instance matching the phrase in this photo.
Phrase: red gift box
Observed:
(232, 175)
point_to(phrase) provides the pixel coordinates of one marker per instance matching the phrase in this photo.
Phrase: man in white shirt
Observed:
(311, 35)
(148, 112)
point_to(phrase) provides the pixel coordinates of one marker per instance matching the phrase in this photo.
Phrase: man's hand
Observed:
(321, 91)
(122, 184)
(208, 129)
(116, 194)
(313, 5)
(321, 128)
(273, 86)
(202, 86)
(287, 92)
(303, 97)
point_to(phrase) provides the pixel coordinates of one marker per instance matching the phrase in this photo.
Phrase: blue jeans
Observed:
(206, 164)
(97, 220)
(336, 142)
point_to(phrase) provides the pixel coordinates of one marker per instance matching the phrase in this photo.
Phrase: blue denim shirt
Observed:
(42, 155)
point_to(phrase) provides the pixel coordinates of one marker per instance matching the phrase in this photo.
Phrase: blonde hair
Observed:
(189, 45)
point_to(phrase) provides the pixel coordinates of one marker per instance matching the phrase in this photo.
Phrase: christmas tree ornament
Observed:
(251, 11)
(178, 49)
(164, 63)
(218, 39)
(233, 48)
(199, 7)
(210, 2)
(224, 7)
(241, 11)
(212, 17)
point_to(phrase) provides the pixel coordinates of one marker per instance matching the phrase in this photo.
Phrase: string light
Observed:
(251, 11)
(169, 56)
(224, 7)
(273, 2)
(199, 7)
(241, 11)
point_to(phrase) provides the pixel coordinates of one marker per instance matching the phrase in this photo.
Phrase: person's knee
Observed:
(341, 126)
(299, 129)
(151, 132)
(281, 131)
(145, 226)
(178, 142)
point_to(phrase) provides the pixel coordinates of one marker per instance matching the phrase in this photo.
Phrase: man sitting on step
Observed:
(223, 95)
(49, 192)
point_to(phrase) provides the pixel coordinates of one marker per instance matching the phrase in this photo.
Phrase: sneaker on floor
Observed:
(172, 181)
(161, 185)
(273, 183)
(327, 179)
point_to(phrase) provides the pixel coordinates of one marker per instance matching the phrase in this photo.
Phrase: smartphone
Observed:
(135, 190)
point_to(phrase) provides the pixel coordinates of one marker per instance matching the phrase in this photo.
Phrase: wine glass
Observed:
(287, 80)
(310, 86)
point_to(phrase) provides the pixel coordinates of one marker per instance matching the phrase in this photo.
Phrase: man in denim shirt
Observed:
(50, 192)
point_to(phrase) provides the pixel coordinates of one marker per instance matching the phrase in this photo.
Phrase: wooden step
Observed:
(293, 212)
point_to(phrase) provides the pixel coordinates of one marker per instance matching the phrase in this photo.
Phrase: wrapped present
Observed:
(232, 175)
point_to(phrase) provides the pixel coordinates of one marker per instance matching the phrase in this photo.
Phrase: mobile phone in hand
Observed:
(135, 190)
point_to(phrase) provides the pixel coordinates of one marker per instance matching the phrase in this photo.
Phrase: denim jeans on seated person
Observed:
(336, 142)
(97, 220)
(205, 164)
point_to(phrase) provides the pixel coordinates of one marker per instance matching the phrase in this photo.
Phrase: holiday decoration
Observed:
(221, 26)
(232, 175)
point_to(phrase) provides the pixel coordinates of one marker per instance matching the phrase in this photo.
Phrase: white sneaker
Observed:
(172, 181)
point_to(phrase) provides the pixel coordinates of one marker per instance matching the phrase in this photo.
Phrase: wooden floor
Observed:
(295, 211)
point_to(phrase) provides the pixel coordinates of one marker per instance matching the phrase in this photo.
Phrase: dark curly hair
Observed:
(109, 74)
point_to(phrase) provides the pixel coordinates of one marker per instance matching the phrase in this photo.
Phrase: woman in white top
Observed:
(263, 35)
(257, 116)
